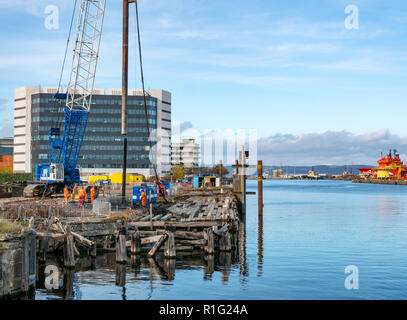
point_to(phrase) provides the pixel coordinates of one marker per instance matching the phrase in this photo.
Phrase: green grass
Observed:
(11, 177)
(9, 227)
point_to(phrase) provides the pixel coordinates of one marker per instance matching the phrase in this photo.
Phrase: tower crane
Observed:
(65, 147)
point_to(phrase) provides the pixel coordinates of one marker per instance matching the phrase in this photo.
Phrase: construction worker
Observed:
(92, 194)
(82, 194)
(66, 194)
(74, 192)
(143, 198)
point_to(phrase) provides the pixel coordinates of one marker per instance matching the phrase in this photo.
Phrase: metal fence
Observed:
(26, 210)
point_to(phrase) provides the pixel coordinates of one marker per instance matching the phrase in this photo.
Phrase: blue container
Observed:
(149, 190)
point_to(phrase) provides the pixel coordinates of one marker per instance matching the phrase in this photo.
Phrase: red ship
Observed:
(390, 167)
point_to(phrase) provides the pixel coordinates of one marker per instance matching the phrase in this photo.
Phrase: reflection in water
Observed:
(225, 261)
(209, 266)
(102, 270)
(121, 274)
(135, 263)
(244, 272)
(93, 264)
(169, 265)
(121, 278)
(389, 205)
(98, 272)
(260, 247)
(68, 292)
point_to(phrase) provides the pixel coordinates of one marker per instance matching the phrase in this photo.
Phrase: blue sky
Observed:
(286, 68)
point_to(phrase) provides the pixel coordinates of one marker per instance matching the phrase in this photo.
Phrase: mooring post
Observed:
(260, 186)
(135, 243)
(169, 249)
(243, 181)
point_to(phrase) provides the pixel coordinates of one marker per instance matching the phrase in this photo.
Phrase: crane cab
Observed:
(53, 172)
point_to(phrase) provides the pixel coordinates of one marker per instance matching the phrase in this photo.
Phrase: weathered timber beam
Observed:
(157, 245)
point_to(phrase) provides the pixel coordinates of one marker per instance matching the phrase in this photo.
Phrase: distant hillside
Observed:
(322, 169)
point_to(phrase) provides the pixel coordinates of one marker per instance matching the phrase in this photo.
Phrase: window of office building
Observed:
(103, 142)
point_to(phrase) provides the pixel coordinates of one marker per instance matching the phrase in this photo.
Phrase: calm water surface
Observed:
(311, 231)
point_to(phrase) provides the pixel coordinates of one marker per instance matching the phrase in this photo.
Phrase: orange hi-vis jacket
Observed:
(82, 193)
(143, 198)
(66, 192)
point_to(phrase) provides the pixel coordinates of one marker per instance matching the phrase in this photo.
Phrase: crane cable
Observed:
(144, 92)
(58, 121)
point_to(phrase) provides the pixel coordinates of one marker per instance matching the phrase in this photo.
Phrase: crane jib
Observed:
(65, 147)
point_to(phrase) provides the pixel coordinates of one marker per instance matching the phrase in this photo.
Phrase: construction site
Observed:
(64, 215)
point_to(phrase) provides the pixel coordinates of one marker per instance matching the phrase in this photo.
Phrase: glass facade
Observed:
(6, 151)
(103, 143)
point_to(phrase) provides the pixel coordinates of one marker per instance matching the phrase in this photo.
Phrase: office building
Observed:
(36, 112)
(185, 154)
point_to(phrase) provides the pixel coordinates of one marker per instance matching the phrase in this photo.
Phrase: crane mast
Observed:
(78, 98)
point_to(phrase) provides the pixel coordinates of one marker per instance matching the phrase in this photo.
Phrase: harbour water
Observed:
(311, 231)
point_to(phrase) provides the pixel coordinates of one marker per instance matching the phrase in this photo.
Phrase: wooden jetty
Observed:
(197, 222)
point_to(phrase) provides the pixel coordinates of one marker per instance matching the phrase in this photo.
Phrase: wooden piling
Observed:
(29, 260)
(220, 174)
(43, 248)
(135, 243)
(121, 251)
(108, 242)
(69, 251)
(260, 186)
(93, 251)
(169, 249)
(31, 223)
(210, 241)
(225, 242)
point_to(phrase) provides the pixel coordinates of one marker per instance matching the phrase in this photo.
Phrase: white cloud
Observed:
(339, 147)
(192, 34)
(33, 7)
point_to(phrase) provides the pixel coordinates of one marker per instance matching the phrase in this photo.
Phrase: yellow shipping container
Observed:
(130, 178)
(93, 179)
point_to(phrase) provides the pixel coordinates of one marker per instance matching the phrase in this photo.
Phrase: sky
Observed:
(316, 91)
